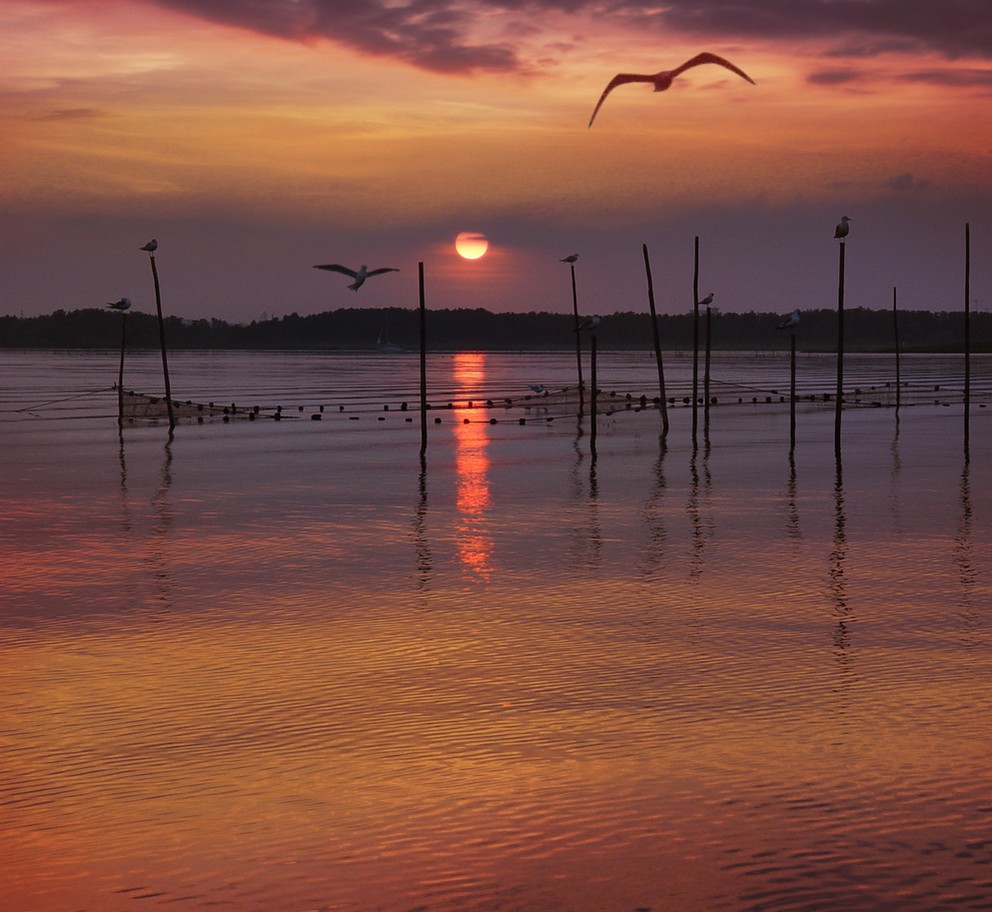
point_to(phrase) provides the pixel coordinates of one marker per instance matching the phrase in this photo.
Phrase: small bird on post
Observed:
(151, 246)
(664, 79)
(707, 300)
(589, 323)
(842, 227)
(122, 304)
(569, 259)
(790, 322)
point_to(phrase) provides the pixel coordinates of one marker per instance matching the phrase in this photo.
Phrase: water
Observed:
(281, 665)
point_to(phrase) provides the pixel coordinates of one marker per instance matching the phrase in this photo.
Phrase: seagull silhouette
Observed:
(151, 246)
(664, 79)
(790, 322)
(359, 276)
(122, 304)
(571, 258)
(589, 323)
(842, 227)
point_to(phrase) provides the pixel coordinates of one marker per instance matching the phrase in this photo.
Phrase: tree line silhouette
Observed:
(357, 329)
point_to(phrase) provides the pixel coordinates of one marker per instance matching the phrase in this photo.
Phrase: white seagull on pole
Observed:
(359, 276)
(842, 227)
(571, 258)
(589, 323)
(707, 300)
(663, 80)
(790, 322)
(151, 246)
(122, 304)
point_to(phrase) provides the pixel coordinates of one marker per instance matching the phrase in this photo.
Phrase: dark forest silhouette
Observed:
(357, 329)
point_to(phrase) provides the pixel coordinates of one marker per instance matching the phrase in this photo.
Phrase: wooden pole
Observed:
(895, 338)
(967, 337)
(695, 338)
(792, 391)
(578, 341)
(706, 374)
(120, 373)
(840, 350)
(161, 339)
(657, 344)
(594, 393)
(423, 365)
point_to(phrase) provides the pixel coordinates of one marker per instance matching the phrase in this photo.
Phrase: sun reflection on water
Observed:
(475, 544)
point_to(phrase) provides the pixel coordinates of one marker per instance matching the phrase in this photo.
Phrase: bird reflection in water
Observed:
(474, 544)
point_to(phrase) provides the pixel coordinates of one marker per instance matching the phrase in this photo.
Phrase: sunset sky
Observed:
(255, 139)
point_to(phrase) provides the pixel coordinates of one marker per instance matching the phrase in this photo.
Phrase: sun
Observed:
(471, 245)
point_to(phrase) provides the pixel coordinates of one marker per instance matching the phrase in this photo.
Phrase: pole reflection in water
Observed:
(473, 499)
(792, 502)
(588, 534)
(702, 527)
(654, 513)
(421, 542)
(963, 557)
(162, 506)
(838, 582)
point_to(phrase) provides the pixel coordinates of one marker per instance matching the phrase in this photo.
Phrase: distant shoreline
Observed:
(361, 331)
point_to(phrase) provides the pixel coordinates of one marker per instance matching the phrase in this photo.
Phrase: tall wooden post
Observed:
(161, 339)
(657, 344)
(706, 373)
(895, 339)
(423, 364)
(120, 373)
(967, 337)
(695, 338)
(840, 350)
(578, 341)
(593, 394)
(792, 391)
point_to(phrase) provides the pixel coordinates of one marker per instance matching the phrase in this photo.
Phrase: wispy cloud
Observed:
(455, 36)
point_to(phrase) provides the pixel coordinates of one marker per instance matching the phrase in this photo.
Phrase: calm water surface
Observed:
(285, 666)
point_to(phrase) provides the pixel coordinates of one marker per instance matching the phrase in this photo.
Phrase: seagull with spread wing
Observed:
(359, 275)
(664, 79)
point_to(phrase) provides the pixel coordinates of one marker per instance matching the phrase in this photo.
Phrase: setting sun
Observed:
(471, 245)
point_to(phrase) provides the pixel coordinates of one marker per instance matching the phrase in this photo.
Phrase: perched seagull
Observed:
(589, 323)
(570, 259)
(707, 300)
(536, 387)
(842, 227)
(664, 79)
(360, 276)
(151, 246)
(122, 304)
(790, 322)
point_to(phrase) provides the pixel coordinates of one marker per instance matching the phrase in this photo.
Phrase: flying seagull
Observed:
(360, 276)
(589, 323)
(122, 304)
(842, 227)
(151, 246)
(664, 79)
(570, 259)
(790, 322)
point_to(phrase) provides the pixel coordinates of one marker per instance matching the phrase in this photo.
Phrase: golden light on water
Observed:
(472, 467)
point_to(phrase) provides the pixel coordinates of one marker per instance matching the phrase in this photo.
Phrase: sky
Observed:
(256, 138)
